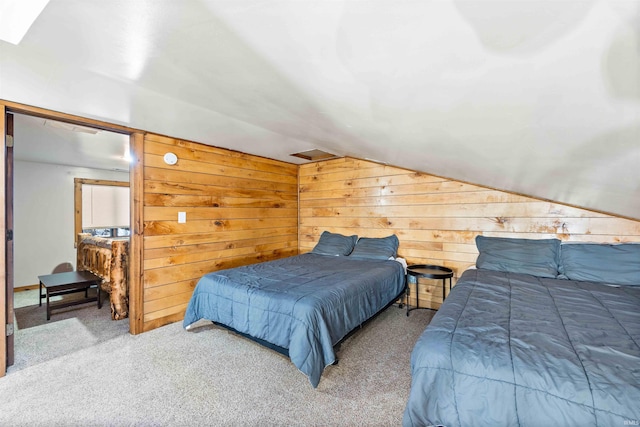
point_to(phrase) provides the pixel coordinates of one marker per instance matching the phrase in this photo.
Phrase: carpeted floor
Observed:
(208, 377)
(70, 329)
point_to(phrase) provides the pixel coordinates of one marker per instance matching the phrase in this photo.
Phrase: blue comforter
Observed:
(306, 303)
(514, 349)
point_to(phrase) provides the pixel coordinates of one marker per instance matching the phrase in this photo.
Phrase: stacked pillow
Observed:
(376, 248)
(615, 264)
(335, 244)
(536, 257)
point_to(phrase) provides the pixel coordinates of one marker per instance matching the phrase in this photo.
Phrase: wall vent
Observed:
(314, 155)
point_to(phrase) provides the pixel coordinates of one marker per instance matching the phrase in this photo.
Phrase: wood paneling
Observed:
(436, 219)
(240, 209)
(243, 209)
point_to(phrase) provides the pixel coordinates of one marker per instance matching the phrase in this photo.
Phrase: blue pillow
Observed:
(536, 257)
(593, 262)
(376, 248)
(334, 244)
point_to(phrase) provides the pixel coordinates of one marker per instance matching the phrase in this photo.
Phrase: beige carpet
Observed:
(70, 329)
(211, 377)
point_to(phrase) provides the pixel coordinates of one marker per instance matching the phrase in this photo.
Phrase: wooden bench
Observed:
(68, 283)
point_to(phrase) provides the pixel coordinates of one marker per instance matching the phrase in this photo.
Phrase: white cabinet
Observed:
(105, 206)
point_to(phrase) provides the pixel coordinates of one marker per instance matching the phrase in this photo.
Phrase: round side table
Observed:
(428, 272)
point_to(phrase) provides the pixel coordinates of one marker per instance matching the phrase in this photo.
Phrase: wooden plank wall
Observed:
(241, 209)
(436, 219)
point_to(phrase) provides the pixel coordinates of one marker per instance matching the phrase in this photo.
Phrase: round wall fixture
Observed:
(170, 159)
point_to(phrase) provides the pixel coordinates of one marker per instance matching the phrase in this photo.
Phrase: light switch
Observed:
(182, 217)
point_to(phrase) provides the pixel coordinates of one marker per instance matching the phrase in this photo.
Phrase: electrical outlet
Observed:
(182, 217)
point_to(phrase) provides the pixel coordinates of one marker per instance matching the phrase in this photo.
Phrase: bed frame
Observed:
(285, 351)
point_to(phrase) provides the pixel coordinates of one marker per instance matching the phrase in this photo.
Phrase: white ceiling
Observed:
(540, 97)
(47, 141)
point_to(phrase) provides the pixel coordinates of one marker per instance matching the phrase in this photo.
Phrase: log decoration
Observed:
(108, 259)
(119, 294)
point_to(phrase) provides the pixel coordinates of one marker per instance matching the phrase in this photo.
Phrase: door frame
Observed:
(9, 250)
(136, 147)
(3, 236)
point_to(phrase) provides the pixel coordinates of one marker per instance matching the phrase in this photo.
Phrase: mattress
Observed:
(519, 350)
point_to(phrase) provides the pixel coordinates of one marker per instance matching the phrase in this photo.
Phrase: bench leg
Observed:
(48, 307)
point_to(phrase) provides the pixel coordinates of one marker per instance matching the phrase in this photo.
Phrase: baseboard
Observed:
(26, 288)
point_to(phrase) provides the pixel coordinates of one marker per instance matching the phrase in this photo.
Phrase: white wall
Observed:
(43, 216)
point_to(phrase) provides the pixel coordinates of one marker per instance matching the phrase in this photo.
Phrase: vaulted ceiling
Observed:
(539, 97)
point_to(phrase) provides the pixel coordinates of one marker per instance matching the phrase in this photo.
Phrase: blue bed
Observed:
(303, 304)
(513, 348)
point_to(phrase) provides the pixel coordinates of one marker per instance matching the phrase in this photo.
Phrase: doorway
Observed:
(39, 167)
